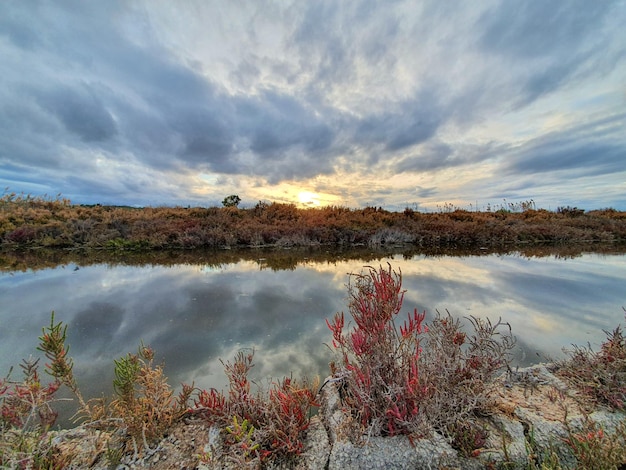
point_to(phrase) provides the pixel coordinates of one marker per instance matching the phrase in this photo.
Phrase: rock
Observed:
(527, 424)
(393, 453)
(317, 447)
(506, 441)
(378, 452)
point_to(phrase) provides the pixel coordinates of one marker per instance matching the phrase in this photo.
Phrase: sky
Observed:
(420, 104)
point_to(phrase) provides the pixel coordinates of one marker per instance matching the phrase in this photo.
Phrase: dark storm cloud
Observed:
(81, 111)
(27, 133)
(397, 130)
(431, 157)
(285, 135)
(281, 122)
(206, 137)
(593, 148)
(591, 158)
(548, 42)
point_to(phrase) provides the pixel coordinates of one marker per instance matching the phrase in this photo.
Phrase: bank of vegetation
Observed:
(27, 222)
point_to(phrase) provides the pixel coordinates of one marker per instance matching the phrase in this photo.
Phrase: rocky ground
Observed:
(527, 416)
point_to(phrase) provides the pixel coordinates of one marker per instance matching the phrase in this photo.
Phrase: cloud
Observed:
(415, 122)
(594, 148)
(547, 43)
(429, 157)
(81, 111)
(266, 95)
(283, 136)
(536, 29)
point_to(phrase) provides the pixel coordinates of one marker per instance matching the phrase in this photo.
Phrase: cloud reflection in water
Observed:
(193, 315)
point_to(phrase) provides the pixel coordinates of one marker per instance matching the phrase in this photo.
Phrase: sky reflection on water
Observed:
(195, 315)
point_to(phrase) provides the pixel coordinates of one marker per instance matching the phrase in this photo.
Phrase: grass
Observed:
(397, 375)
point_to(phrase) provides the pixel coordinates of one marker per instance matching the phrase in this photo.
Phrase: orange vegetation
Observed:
(40, 222)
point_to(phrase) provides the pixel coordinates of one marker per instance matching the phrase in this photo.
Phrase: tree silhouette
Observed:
(231, 201)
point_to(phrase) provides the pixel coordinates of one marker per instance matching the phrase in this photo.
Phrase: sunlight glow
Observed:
(308, 199)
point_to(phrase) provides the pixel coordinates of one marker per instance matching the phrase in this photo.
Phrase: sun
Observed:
(309, 199)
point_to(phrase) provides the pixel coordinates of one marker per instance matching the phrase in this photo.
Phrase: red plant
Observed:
(415, 325)
(337, 328)
(276, 422)
(240, 400)
(381, 363)
(289, 406)
(211, 403)
(390, 385)
(22, 402)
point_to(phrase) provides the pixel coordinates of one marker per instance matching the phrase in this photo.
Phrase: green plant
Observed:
(242, 445)
(231, 201)
(145, 401)
(113, 454)
(52, 343)
(467, 437)
(539, 459)
(242, 431)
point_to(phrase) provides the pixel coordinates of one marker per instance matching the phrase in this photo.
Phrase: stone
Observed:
(527, 418)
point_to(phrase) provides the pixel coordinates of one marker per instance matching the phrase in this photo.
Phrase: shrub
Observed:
(22, 235)
(601, 375)
(26, 414)
(52, 343)
(145, 406)
(570, 211)
(416, 378)
(145, 401)
(257, 427)
(596, 450)
(390, 236)
(26, 404)
(27, 221)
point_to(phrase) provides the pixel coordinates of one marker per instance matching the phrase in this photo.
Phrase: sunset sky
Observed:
(351, 103)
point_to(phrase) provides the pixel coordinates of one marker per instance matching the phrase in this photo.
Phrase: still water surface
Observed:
(193, 315)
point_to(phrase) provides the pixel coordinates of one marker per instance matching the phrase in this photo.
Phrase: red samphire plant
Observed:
(380, 363)
(414, 378)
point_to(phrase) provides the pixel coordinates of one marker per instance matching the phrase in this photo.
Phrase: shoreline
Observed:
(525, 419)
(33, 258)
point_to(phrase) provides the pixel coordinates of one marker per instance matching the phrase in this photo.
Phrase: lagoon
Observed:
(197, 314)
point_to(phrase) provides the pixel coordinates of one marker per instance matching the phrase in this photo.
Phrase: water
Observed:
(196, 314)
